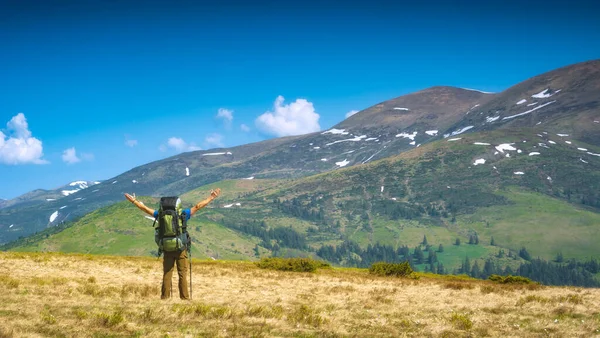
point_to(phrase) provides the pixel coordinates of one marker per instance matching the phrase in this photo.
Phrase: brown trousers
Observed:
(170, 258)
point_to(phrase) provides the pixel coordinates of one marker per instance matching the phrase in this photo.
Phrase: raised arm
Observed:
(202, 204)
(140, 205)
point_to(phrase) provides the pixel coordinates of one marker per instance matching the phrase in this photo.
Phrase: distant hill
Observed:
(500, 187)
(446, 163)
(565, 101)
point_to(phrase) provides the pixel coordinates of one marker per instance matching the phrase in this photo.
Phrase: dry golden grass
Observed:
(60, 295)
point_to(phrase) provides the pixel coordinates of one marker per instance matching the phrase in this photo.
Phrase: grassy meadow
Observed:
(78, 295)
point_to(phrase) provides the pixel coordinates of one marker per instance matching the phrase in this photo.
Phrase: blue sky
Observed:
(90, 88)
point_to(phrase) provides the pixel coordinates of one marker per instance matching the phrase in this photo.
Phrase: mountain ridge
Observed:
(444, 112)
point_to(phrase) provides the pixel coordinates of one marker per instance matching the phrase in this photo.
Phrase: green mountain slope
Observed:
(439, 190)
(564, 101)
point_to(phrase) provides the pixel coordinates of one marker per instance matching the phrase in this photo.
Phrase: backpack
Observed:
(171, 231)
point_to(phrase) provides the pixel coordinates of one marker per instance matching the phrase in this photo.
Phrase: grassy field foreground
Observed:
(71, 295)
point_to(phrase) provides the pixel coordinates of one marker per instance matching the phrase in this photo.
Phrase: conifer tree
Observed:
(466, 266)
(475, 271)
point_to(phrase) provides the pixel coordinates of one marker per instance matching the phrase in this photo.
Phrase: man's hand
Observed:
(129, 197)
(139, 204)
(214, 193)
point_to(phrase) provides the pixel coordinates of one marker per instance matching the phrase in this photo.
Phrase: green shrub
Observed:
(291, 264)
(391, 269)
(510, 279)
(461, 321)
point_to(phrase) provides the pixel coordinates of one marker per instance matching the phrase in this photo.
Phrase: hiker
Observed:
(170, 217)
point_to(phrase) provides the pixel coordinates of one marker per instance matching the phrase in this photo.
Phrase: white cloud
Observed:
(131, 143)
(350, 113)
(226, 115)
(69, 156)
(17, 146)
(214, 140)
(244, 127)
(179, 145)
(296, 118)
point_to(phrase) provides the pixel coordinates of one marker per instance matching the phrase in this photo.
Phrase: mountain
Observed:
(442, 191)
(287, 157)
(493, 169)
(565, 101)
(39, 196)
(435, 108)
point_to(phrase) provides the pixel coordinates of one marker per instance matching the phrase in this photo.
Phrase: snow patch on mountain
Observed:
(187, 171)
(479, 161)
(544, 94)
(457, 132)
(482, 144)
(53, 216)
(81, 184)
(232, 204)
(343, 163)
(533, 153)
(406, 135)
(335, 131)
(215, 154)
(431, 132)
(532, 104)
(354, 139)
(77, 186)
(505, 146)
(527, 112)
(402, 109)
(455, 139)
(522, 101)
(491, 119)
(519, 173)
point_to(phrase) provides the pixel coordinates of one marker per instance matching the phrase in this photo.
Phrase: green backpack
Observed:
(171, 231)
